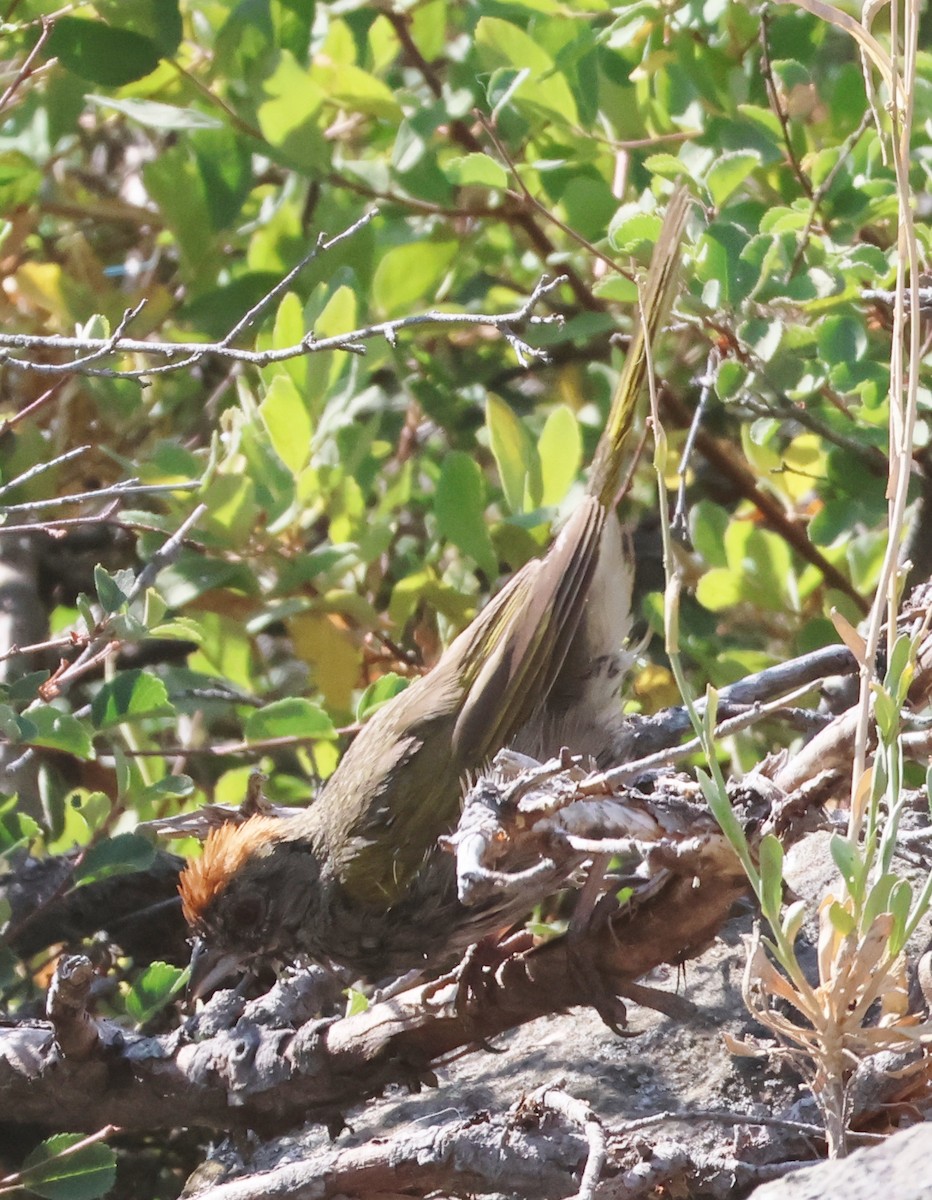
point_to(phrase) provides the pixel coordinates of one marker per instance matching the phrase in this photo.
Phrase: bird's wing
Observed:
(513, 652)
(399, 784)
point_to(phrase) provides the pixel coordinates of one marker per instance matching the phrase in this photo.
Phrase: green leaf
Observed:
(538, 89)
(130, 696)
(707, 525)
(356, 90)
(631, 227)
(289, 423)
(728, 172)
(172, 786)
(886, 713)
(26, 688)
(159, 20)
(900, 669)
(154, 115)
(185, 629)
(119, 855)
(386, 688)
(763, 337)
(101, 53)
(13, 727)
(20, 180)
(337, 317)
(84, 1175)
(294, 20)
(294, 717)
(411, 273)
(232, 507)
(841, 919)
(515, 454)
(719, 589)
(723, 813)
(289, 117)
(730, 378)
(618, 288)
(156, 986)
(878, 900)
(111, 595)
(356, 1002)
(560, 451)
(667, 166)
(771, 878)
(16, 828)
(722, 267)
(58, 730)
(847, 860)
(477, 170)
(793, 919)
(288, 330)
(901, 899)
(459, 505)
(841, 339)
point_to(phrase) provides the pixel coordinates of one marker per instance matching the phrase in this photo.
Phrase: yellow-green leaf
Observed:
(410, 274)
(540, 87)
(515, 454)
(289, 424)
(560, 450)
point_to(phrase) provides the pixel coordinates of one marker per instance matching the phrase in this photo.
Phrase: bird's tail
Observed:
(656, 298)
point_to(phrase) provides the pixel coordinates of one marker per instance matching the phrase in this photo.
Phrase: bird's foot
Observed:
(475, 979)
(596, 985)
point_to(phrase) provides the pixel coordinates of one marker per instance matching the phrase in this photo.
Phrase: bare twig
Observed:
(578, 1113)
(28, 66)
(822, 190)
(165, 554)
(182, 355)
(35, 406)
(39, 469)
(731, 725)
(777, 105)
(679, 523)
(126, 487)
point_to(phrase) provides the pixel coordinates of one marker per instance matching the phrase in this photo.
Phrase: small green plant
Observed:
(860, 1004)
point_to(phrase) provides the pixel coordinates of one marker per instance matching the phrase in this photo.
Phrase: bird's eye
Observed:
(246, 912)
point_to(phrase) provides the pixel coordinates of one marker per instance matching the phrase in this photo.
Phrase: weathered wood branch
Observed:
(270, 1076)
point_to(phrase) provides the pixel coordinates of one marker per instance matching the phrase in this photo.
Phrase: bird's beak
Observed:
(209, 967)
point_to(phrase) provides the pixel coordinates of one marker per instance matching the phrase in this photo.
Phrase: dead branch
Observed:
(524, 1152)
(249, 1075)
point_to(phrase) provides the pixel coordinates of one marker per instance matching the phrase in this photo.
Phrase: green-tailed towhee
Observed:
(359, 879)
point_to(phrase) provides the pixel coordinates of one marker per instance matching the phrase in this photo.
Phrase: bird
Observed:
(358, 880)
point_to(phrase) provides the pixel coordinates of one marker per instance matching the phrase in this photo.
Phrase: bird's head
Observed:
(246, 898)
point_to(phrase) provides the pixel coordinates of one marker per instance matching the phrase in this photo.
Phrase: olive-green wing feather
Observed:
(656, 298)
(511, 668)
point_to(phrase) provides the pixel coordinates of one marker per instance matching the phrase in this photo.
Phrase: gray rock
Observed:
(897, 1167)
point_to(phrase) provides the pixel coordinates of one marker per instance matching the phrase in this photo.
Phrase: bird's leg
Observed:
(476, 977)
(476, 974)
(604, 1000)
